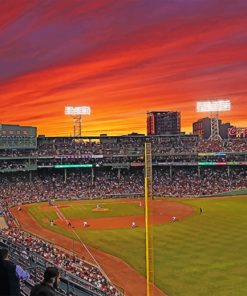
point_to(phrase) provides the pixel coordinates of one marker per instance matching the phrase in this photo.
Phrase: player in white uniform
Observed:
(133, 224)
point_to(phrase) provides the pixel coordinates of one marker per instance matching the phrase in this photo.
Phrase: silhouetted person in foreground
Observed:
(49, 285)
(10, 275)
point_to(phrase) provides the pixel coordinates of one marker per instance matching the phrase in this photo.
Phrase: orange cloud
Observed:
(123, 72)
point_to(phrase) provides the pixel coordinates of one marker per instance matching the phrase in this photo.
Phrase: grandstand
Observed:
(35, 262)
(101, 167)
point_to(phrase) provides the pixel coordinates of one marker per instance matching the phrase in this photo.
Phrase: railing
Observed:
(36, 264)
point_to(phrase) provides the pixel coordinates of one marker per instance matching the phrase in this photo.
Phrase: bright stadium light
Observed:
(76, 113)
(82, 110)
(214, 107)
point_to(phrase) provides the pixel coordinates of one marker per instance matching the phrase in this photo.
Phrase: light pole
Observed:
(214, 107)
(76, 113)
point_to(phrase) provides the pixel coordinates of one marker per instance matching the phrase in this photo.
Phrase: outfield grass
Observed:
(207, 254)
(200, 255)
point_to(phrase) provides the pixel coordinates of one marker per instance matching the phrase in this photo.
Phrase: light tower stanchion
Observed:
(77, 125)
(149, 221)
(215, 133)
(76, 113)
(214, 107)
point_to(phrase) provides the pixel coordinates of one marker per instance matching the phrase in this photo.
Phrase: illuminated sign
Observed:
(223, 163)
(212, 154)
(70, 166)
(79, 110)
(79, 156)
(237, 132)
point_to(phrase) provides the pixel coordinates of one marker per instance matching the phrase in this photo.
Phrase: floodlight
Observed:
(213, 106)
(76, 113)
(80, 110)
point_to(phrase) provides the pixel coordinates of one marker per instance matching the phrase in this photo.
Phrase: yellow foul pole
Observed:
(148, 221)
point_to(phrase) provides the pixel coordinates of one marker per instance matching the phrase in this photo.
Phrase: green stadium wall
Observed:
(233, 192)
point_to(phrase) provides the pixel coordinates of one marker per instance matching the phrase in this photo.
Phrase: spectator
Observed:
(49, 285)
(10, 275)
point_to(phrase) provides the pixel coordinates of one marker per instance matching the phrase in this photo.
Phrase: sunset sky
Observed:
(122, 58)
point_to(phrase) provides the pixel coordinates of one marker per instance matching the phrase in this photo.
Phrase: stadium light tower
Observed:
(214, 107)
(76, 113)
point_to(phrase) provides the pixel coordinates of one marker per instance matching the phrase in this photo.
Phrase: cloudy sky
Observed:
(122, 58)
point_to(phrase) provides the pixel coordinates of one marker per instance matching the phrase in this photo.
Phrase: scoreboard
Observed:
(18, 137)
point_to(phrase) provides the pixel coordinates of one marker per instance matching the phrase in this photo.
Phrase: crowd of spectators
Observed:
(191, 182)
(13, 153)
(84, 184)
(13, 165)
(128, 146)
(77, 185)
(135, 146)
(60, 258)
(231, 145)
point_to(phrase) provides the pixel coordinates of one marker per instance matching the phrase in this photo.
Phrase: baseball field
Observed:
(198, 254)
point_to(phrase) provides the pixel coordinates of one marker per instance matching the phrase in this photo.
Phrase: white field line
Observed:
(96, 262)
(61, 216)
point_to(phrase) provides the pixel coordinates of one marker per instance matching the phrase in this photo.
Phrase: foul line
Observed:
(61, 217)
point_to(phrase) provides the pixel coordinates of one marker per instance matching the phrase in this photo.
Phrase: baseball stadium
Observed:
(126, 215)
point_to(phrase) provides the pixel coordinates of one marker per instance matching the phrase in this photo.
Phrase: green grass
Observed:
(204, 255)
(43, 218)
(200, 255)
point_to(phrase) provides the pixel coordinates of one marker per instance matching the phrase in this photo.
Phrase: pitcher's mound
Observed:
(100, 210)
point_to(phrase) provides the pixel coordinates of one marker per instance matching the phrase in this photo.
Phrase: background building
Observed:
(16, 136)
(202, 127)
(163, 123)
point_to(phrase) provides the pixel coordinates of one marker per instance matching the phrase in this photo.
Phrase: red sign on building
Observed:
(237, 132)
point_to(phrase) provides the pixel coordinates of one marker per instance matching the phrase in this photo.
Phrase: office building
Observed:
(163, 123)
(202, 127)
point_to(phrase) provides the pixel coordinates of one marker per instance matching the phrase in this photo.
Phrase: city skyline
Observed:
(122, 58)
